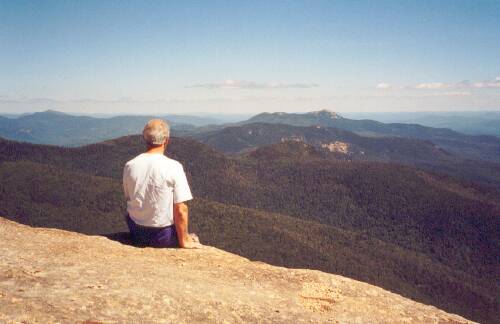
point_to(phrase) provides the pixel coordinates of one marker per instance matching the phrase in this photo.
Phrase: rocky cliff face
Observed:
(49, 275)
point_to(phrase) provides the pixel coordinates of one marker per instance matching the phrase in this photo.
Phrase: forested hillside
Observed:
(474, 147)
(338, 144)
(57, 128)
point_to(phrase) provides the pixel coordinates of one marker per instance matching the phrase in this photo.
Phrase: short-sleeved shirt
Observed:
(153, 183)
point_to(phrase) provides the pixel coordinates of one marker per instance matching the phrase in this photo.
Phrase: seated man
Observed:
(156, 190)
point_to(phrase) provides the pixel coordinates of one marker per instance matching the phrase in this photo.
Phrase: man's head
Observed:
(156, 133)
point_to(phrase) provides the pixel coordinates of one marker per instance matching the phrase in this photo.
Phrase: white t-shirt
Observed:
(153, 183)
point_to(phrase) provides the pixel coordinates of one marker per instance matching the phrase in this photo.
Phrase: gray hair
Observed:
(156, 132)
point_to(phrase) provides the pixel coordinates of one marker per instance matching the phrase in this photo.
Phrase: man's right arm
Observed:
(181, 219)
(124, 182)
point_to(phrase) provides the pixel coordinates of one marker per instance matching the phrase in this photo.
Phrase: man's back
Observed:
(152, 184)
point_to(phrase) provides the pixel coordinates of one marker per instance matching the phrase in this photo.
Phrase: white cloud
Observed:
(448, 94)
(383, 86)
(486, 84)
(241, 84)
(432, 85)
(495, 83)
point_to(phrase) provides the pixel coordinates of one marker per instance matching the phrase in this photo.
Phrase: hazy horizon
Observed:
(224, 57)
(232, 117)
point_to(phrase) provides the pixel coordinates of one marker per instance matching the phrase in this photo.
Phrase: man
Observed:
(156, 190)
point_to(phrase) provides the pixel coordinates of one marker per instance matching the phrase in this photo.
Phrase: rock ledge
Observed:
(49, 275)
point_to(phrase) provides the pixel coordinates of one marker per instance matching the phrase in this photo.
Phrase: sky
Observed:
(249, 56)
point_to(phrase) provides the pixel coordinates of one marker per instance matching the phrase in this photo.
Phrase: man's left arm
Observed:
(181, 220)
(182, 193)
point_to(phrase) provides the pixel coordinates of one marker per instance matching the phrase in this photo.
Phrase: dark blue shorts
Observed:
(153, 236)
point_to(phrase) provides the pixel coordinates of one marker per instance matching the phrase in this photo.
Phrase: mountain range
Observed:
(336, 143)
(427, 236)
(474, 158)
(481, 147)
(467, 122)
(56, 128)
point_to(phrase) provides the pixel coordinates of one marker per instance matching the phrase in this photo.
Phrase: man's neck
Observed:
(156, 150)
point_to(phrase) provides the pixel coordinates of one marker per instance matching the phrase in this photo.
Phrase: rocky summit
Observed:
(56, 276)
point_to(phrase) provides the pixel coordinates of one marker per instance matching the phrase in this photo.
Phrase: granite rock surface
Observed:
(55, 276)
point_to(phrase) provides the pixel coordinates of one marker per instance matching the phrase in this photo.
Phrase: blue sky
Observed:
(249, 56)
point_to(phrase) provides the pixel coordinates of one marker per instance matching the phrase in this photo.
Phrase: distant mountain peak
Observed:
(52, 112)
(48, 113)
(325, 113)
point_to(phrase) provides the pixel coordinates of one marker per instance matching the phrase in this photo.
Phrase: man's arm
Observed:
(124, 182)
(181, 218)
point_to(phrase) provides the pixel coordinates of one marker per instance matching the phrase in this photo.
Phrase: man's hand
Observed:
(193, 242)
(194, 237)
